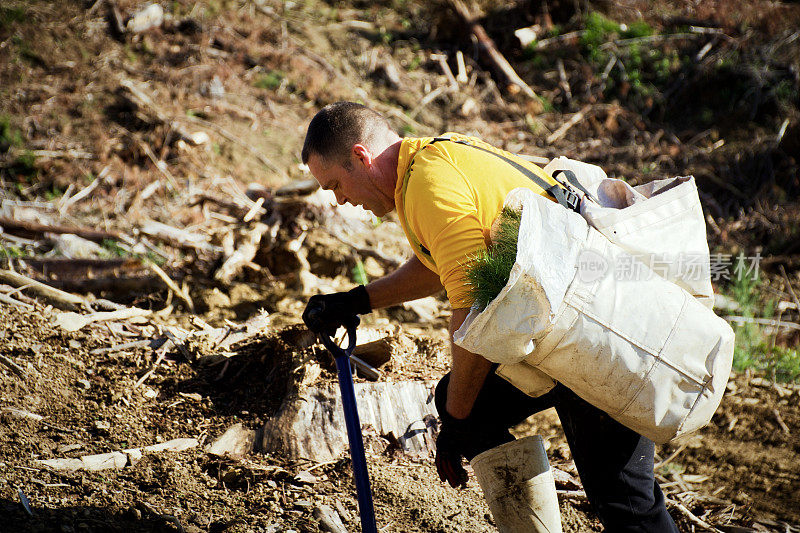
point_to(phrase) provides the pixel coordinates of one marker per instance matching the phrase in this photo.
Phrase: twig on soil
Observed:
(161, 166)
(780, 421)
(83, 193)
(53, 154)
(563, 81)
(427, 99)
(18, 370)
(73, 321)
(120, 347)
(150, 372)
(366, 252)
(651, 39)
(179, 292)
(692, 518)
(560, 132)
(762, 322)
(462, 69)
(442, 60)
(244, 254)
(572, 36)
(672, 456)
(789, 285)
(57, 297)
(572, 494)
(178, 237)
(16, 303)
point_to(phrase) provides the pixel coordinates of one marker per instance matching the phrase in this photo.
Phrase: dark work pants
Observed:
(615, 463)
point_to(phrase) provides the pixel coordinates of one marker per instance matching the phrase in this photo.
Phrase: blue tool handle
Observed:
(357, 454)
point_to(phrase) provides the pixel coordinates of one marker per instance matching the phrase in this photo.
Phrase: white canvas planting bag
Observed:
(660, 222)
(642, 349)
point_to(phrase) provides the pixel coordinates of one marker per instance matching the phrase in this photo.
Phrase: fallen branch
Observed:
(762, 322)
(6, 299)
(83, 193)
(179, 292)
(572, 36)
(53, 154)
(789, 286)
(59, 298)
(35, 227)
(572, 494)
(18, 370)
(244, 254)
(574, 119)
(73, 321)
(178, 237)
(688, 514)
(780, 421)
(488, 50)
(448, 73)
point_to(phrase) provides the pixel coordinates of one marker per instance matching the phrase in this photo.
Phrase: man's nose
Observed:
(340, 199)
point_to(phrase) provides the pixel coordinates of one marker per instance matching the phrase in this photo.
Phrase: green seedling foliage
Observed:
(487, 270)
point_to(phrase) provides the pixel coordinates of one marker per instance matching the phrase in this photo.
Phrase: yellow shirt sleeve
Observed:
(441, 208)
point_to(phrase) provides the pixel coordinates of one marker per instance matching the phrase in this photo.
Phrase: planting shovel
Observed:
(342, 358)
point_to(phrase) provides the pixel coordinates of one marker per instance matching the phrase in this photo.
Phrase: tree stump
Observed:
(310, 424)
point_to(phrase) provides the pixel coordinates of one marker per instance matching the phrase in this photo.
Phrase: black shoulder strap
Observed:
(563, 195)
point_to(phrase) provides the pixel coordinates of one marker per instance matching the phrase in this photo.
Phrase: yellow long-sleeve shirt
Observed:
(447, 198)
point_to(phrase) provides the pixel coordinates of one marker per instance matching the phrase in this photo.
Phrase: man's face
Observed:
(356, 186)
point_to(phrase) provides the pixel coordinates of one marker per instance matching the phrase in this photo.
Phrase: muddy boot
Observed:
(518, 486)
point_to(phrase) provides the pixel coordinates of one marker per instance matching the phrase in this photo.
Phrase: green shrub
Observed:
(271, 80)
(10, 15)
(754, 349)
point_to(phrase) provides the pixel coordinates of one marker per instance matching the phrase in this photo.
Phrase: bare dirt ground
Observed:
(99, 131)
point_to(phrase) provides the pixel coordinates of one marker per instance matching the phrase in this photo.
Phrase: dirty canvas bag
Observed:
(661, 223)
(641, 349)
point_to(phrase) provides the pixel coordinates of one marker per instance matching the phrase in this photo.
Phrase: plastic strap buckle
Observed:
(573, 200)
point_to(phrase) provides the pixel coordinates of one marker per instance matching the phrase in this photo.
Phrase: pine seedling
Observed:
(487, 270)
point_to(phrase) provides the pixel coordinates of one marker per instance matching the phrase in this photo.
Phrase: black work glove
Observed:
(450, 444)
(326, 312)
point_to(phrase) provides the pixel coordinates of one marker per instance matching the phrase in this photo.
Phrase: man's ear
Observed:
(363, 154)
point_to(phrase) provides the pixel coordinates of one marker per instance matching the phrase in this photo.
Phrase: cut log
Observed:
(311, 424)
(9, 224)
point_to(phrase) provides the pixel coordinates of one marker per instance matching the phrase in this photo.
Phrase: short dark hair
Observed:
(337, 127)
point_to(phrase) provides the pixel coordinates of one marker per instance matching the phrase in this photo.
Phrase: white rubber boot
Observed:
(518, 486)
